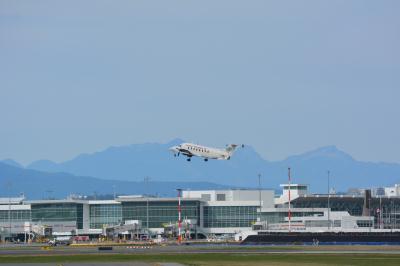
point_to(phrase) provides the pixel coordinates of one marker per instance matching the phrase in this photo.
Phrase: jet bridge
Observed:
(131, 227)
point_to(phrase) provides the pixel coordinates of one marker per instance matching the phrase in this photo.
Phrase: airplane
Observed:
(190, 150)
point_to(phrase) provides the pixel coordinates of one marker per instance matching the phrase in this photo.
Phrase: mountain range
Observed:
(134, 162)
(41, 185)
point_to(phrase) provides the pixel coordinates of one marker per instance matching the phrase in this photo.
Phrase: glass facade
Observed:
(229, 216)
(58, 212)
(385, 210)
(273, 217)
(105, 214)
(16, 216)
(160, 213)
(322, 223)
(353, 205)
(279, 217)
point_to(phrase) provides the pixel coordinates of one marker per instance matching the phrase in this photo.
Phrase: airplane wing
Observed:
(186, 152)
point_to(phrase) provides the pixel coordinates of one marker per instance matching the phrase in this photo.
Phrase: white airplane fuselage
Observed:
(190, 150)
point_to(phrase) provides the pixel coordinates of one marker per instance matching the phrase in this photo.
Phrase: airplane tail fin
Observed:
(230, 149)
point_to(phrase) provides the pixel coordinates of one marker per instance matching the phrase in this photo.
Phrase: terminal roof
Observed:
(15, 200)
(140, 199)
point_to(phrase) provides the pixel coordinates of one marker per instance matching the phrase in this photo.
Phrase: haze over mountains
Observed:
(134, 162)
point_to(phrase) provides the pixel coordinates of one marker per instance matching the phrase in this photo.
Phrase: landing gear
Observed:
(205, 159)
(188, 159)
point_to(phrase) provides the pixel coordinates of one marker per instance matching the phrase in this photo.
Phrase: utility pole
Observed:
(329, 196)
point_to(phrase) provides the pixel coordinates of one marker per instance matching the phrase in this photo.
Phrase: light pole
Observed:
(380, 213)
(179, 215)
(146, 180)
(329, 196)
(391, 215)
(49, 194)
(289, 211)
(9, 217)
(9, 209)
(259, 194)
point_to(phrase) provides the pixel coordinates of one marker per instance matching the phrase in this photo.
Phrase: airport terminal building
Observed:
(209, 212)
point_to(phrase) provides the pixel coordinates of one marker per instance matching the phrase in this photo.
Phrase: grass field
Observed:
(219, 259)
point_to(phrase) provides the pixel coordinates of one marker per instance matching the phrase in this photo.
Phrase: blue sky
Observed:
(282, 76)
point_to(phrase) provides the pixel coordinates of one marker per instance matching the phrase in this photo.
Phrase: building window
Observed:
(160, 213)
(206, 197)
(220, 197)
(102, 215)
(229, 216)
(364, 223)
(337, 223)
